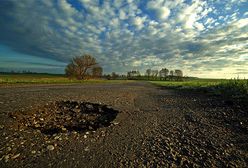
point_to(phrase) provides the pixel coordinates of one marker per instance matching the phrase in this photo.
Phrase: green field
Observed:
(194, 83)
(47, 79)
(234, 88)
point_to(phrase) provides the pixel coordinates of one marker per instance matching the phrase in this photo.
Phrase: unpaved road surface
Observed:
(154, 127)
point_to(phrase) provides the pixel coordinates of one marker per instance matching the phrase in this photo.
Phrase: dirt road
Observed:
(155, 127)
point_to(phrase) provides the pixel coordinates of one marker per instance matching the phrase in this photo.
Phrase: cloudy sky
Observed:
(204, 38)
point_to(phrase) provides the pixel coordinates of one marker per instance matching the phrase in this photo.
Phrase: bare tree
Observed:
(178, 73)
(97, 71)
(148, 73)
(154, 73)
(79, 66)
(70, 70)
(114, 75)
(133, 74)
(163, 73)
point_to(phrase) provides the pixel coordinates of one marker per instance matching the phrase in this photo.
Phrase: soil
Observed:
(119, 125)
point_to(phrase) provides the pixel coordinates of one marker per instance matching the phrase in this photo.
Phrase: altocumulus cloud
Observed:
(204, 38)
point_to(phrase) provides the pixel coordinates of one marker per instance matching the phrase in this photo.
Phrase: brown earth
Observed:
(146, 126)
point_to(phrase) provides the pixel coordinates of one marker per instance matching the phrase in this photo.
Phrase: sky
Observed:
(204, 38)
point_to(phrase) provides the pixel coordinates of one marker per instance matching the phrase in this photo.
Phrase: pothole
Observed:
(66, 116)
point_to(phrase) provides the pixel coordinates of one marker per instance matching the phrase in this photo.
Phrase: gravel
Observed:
(148, 127)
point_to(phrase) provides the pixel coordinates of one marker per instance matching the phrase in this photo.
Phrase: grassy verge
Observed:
(234, 89)
(10, 79)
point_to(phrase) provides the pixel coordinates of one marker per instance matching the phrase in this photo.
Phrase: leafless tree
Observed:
(148, 73)
(97, 71)
(154, 73)
(114, 75)
(79, 66)
(133, 74)
(163, 73)
(178, 73)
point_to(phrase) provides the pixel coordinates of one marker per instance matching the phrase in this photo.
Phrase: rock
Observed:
(50, 147)
(1, 127)
(115, 123)
(64, 129)
(85, 136)
(86, 149)
(16, 156)
(56, 137)
(37, 125)
(6, 158)
(9, 148)
(33, 152)
(189, 117)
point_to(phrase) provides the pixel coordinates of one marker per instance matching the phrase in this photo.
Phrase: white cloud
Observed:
(162, 12)
(177, 34)
(139, 22)
(199, 26)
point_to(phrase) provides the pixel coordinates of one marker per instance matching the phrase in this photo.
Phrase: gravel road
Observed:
(154, 127)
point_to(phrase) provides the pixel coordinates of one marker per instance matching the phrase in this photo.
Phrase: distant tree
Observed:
(163, 73)
(80, 66)
(133, 74)
(97, 71)
(114, 75)
(178, 73)
(171, 73)
(148, 73)
(154, 73)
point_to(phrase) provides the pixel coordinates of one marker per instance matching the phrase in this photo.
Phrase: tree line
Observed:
(86, 67)
(163, 74)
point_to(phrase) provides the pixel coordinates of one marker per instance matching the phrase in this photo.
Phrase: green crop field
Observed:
(47, 79)
(191, 83)
(233, 88)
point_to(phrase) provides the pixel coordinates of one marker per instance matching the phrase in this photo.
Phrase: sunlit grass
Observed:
(234, 88)
(191, 83)
(48, 79)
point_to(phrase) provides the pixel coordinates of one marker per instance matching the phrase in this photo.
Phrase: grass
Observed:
(8, 79)
(197, 83)
(235, 89)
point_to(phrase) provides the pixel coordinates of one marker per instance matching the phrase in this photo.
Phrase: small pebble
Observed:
(86, 149)
(50, 147)
(16, 156)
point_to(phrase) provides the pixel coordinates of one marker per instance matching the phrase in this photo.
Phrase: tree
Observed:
(80, 65)
(148, 73)
(114, 75)
(163, 73)
(171, 73)
(133, 74)
(97, 71)
(154, 73)
(178, 73)
(70, 70)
